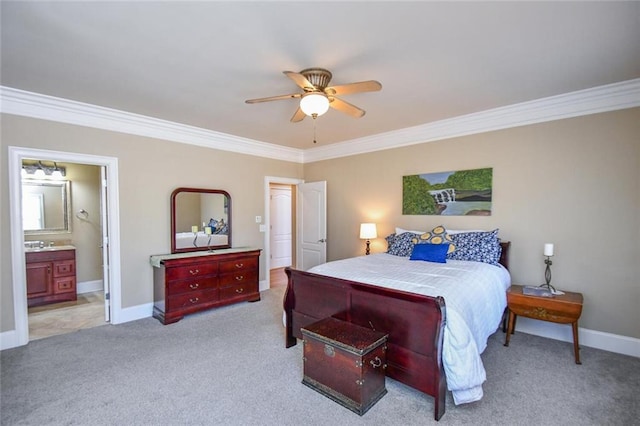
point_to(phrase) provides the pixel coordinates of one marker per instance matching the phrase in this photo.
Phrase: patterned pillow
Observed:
(401, 245)
(477, 247)
(437, 235)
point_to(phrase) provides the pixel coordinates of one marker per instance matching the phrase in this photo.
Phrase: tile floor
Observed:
(66, 317)
(87, 312)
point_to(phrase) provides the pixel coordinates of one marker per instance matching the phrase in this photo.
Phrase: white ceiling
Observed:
(196, 63)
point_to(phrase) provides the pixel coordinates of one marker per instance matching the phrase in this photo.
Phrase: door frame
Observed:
(268, 180)
(15, 157)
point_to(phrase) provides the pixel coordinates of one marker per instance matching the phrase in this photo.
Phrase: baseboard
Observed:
(9, 339)
(133, 313)
(591, 338)
(89, 286)
(262, 286)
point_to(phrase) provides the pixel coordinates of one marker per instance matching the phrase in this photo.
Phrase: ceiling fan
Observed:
(318, 96)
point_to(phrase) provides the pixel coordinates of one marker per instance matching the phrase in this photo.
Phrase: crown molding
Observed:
(599, 99)
(35, 105)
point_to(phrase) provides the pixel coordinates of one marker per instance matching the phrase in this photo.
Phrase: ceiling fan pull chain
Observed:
(314, 116)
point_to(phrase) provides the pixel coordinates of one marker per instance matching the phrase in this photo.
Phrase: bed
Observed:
(376, 291)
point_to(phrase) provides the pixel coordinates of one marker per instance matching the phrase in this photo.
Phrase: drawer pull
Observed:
(239, 265)
(194, 285)
(240, 278)
(377, 362)
(194, 271)
(239, 290)
(194, 300)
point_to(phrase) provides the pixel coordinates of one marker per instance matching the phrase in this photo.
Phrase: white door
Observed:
(105, 243)
(280, 232)
(311, 225)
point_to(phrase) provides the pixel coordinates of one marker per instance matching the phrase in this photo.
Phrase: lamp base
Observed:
(548, 287)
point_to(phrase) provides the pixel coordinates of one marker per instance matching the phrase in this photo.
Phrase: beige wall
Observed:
(149, 170)
(574, 182)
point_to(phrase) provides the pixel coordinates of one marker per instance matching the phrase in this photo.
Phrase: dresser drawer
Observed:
(191, 271)
(238, 290)
(248, 276)
(192, 284)
(193, 298)
(64, 268)
(241, 264)
(64, 285)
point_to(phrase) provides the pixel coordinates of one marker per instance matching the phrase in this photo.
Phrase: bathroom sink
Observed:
(54, 248)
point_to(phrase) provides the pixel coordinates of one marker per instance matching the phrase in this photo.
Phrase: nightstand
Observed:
(563, 308)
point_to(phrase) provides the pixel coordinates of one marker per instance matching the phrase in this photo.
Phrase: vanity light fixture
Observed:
(38, 170)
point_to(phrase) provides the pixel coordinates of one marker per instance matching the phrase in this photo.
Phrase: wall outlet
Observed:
(258, 219)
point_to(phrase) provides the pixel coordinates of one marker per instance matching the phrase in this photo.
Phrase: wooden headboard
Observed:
(504, 256)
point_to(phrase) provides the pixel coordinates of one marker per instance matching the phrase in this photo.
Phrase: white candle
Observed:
(548, 249)
(207, 230)
(194, 229)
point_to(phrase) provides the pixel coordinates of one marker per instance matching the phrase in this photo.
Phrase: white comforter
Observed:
(475, 298)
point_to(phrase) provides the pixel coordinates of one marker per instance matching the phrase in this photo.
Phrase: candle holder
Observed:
(547, 275)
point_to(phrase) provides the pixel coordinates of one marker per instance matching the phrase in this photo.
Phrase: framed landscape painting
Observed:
(458, 193)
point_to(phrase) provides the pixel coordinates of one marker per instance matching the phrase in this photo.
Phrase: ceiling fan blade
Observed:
(359, 87)
(298, 116)
(274, 98)
(300, 80)
(346, 107)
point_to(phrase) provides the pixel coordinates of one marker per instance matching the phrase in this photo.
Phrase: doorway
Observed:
(82, 229)
(109, 220)
(280, 221)
(281, 231)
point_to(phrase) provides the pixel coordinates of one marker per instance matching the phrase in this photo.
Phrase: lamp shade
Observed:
(314, 103)
(368, 231)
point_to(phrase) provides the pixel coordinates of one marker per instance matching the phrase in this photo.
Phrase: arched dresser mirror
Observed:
(200, 220)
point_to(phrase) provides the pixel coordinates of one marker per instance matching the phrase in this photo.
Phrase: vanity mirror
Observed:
(45, 206)
(200, 219)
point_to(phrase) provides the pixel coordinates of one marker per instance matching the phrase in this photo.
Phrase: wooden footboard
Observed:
(414, 323)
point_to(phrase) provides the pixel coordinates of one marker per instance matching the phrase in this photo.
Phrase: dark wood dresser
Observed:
(51, 276)
(192, 282)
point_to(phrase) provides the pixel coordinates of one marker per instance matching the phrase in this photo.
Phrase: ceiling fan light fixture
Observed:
(314, 104)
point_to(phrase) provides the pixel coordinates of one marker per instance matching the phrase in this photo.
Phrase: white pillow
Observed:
(402, 231)
(463, 231)
(449, 231)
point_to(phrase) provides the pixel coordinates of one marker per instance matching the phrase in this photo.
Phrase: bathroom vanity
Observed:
(51, 275)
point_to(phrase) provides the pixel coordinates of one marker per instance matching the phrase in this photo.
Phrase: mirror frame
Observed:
(65, 188)
(178, 191)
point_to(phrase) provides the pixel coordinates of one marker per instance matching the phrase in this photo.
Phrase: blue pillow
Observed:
(430, 252)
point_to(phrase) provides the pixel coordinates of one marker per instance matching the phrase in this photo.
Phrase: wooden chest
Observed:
(345, 362)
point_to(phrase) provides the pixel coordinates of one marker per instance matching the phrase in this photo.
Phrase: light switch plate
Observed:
(258, 219)
(263, 228)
